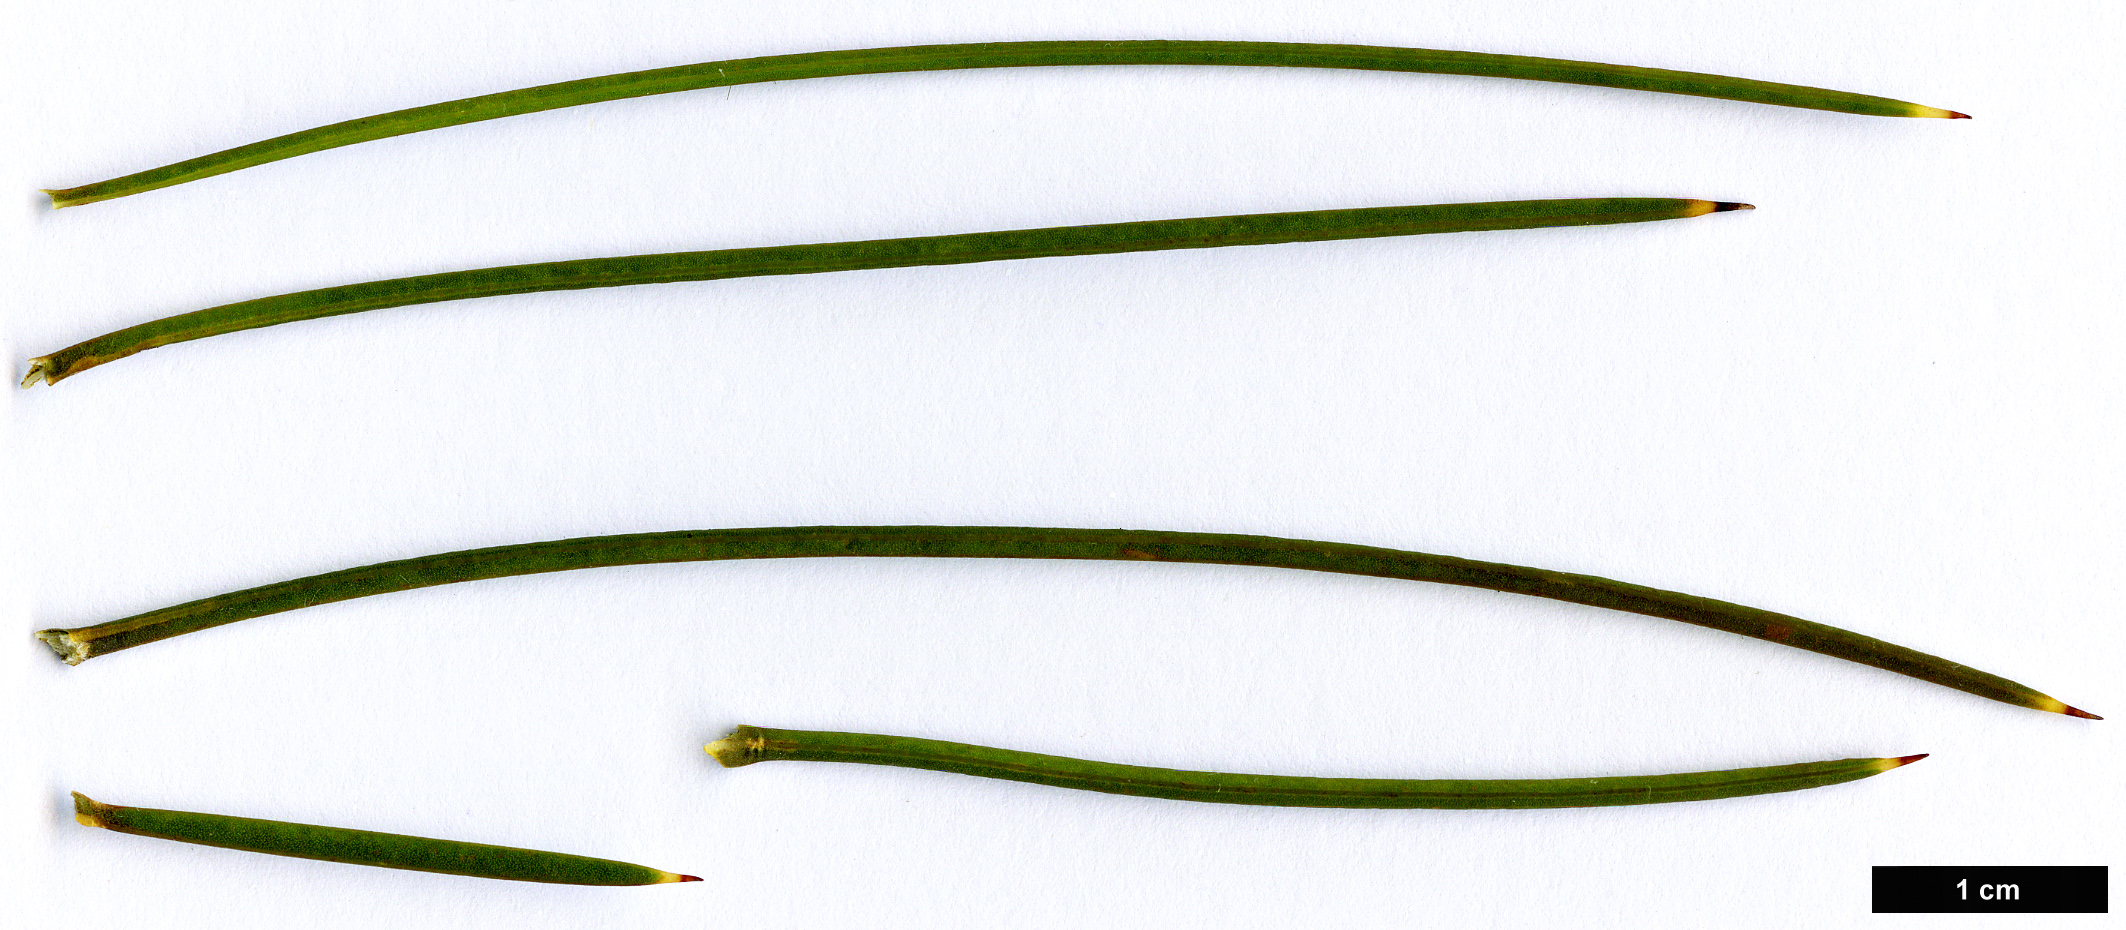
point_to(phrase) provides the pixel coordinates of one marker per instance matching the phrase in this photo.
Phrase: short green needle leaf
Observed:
(747, 745)
(363, 847)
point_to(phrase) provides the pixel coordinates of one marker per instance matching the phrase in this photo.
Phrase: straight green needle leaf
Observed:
(362, 847)
(1194, 233)
(747, 745)
(984, 55)
(1014, 542)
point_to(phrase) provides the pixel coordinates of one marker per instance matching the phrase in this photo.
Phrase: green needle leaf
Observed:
(1013, 542)
(984, 55)
(747, 745)
(1107, 238)
(362, 847)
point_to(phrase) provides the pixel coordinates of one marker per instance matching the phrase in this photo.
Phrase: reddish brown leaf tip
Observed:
(1955, 115)
(690, 878)
(1723, 207)
(1908, 760)
(2078, 712)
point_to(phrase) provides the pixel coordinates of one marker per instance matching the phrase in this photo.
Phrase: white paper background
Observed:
(1888, 400)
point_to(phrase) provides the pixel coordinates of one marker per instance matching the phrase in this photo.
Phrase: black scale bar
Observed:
(2047, 889)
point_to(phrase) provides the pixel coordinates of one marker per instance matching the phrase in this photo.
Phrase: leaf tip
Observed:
(2057, 706)
(1955, 115)
(1904, 760)
(1724, 206)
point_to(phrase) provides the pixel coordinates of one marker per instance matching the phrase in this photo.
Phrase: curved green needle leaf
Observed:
(1106, 238)
(983, 55)
(747, 745)
(1012, 542)
(362, 847)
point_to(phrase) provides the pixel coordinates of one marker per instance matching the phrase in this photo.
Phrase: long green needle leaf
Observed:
(362, 847)
(747, 745)
(1193, 233)
(983, 55)
(1006, 542)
